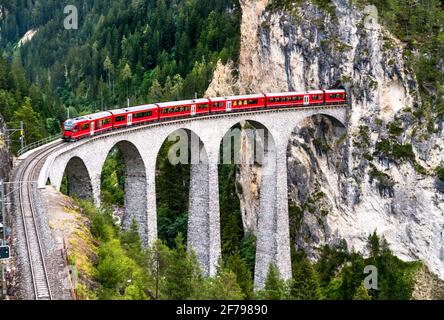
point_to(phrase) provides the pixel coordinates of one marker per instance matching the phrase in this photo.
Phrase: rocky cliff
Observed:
(375, 174)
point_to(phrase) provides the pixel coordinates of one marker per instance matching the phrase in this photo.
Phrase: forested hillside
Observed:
(145, 50)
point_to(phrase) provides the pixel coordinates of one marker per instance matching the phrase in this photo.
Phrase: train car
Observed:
(78, 128)
(288, 99)
(338, 96)
(237, 103)
(295, 99)
(182, 109)
(135, 115)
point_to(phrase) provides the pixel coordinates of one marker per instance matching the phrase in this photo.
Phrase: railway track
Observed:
(27, 174)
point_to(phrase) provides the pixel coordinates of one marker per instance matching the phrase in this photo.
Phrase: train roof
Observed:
(335, 91)
(181, 103)
(134, 109)
(89, 117)
(294, 93)
(249, 96)
(98, 115)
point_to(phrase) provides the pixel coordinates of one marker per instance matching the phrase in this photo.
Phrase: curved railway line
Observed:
(27, 174)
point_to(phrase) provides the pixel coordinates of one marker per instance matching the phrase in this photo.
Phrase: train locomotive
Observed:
(98, 123)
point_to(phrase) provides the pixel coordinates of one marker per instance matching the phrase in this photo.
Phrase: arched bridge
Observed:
(83, 161)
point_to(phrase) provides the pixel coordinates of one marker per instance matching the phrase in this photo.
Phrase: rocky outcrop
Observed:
(344, 186)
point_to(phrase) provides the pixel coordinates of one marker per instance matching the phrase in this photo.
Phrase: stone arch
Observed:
(188, 148)
(261, 147)
(78, 179)
(135, 198)
(317, 149)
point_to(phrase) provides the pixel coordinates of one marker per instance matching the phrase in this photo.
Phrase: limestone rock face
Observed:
(337, 186)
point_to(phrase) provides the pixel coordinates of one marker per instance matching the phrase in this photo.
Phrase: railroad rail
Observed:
(28, 173)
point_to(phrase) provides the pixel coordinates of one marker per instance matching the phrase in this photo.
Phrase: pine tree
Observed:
(223, 286)
(362, 293)
(181, 274)
(33, 127)
(243, 275)
(274, 285)
(305, 282)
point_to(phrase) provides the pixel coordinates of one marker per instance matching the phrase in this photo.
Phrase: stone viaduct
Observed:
(83, 161)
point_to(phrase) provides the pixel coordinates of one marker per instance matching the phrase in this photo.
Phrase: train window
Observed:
(336, 96)
(85, 126)
(218, 105)
(203, 106)
(297, 98)
(316, 97)
(143, 114)
(76, 129)
(245, 102)
(107, 121)
(234, 103)
(253, 101)
(120, 118)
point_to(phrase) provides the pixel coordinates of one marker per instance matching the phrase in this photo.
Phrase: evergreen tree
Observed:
(222, 287)
(181, 274)
(32, 123)
(243, 275)
(362, 293)
(275, 288)
(305, 282)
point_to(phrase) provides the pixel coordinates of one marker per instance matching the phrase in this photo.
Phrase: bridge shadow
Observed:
(76, 181)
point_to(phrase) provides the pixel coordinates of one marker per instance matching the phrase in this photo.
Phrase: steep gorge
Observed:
(345, 183)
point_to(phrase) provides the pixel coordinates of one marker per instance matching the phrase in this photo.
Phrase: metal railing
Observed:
(38, 144)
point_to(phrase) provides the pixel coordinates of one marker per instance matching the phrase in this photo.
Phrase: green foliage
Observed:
(330, 260)
(34, 130)
(231, 221)
(322, 146)
(440, 173)
(125, 270)
(243, 274)
(172, 211)
(395, 129)
(305, 282)
(395, 151)
(113, 178)
(362, 293)
(182, 272)
(121, 49)
(248, 251)
(119, 269)
(418, 25)
(275, 287)
(222, 287)
(385, 183)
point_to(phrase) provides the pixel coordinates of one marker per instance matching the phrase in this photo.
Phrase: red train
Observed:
(90, 125)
